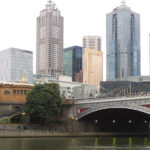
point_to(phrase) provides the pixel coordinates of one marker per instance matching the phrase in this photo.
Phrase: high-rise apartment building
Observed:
(123, 43)
(73, 63)
(49, 51)
(16, 64)
(92, 66)
(92, 42)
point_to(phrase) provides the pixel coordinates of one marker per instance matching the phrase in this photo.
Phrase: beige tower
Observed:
(92, 66)
(49, 51)
(92, 60)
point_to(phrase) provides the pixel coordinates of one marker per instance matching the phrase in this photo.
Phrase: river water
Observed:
(76, 143)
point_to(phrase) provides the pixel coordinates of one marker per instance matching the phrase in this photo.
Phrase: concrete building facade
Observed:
(92, 66)
(92, 42)
(49, 47)
(123, 43)
(16, 63)
(69, 89)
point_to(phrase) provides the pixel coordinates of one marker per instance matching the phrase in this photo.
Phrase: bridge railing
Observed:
(114, 98)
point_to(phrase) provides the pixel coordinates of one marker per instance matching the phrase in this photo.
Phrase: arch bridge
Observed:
(88, 106)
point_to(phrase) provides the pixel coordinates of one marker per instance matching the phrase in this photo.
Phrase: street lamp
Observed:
(145, 121)
(130, 121)
(114, 121)
(96, 121)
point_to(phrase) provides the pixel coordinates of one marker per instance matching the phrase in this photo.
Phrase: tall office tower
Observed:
(123, 43)
(49, 51)
(16, 64)
(73, 63)
(92, 66)
(92, 42)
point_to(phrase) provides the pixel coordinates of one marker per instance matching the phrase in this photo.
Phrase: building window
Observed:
(14, 92)
(6, 92)
(25, 91)
(17, 91)
(122, 73)
(21, 92)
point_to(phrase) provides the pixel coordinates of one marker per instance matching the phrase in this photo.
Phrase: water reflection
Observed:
(145, 141)
(114, 143)
(130, 143)
(78, 143)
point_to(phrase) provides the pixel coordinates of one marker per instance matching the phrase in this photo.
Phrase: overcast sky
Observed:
(81, 17)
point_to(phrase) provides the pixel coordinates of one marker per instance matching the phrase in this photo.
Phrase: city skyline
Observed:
(22, 32)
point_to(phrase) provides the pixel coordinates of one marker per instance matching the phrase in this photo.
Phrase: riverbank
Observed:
(46, 133)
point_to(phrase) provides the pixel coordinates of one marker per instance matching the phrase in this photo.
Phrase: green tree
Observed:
(43, 103)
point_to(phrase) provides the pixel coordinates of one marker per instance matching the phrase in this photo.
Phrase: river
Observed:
(76, 143)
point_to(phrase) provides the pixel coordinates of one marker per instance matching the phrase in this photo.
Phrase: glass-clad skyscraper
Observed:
(123, 43)
(73, 63)
(16, 63)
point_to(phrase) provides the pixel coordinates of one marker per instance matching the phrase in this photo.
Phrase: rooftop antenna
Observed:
(123, 2)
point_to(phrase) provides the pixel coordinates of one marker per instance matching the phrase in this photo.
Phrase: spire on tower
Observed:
(51, 3)
(123, 2)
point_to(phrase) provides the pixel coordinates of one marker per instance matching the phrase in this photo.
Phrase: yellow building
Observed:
(14, 93)
(92, 67)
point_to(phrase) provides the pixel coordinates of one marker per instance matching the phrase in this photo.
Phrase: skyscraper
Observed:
(73, 63)
(92, 42)
(123, 43)
(16, 64)
(49, 51)
(92, 60)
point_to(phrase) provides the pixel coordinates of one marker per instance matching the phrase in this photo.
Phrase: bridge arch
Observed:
(129, 107)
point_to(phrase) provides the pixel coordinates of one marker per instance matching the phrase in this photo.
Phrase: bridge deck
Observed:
(85, 101)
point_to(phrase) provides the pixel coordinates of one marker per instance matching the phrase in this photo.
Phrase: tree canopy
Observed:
(43, 102)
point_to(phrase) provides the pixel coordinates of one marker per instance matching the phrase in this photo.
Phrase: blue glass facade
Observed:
(123, 43)
(72, 61)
